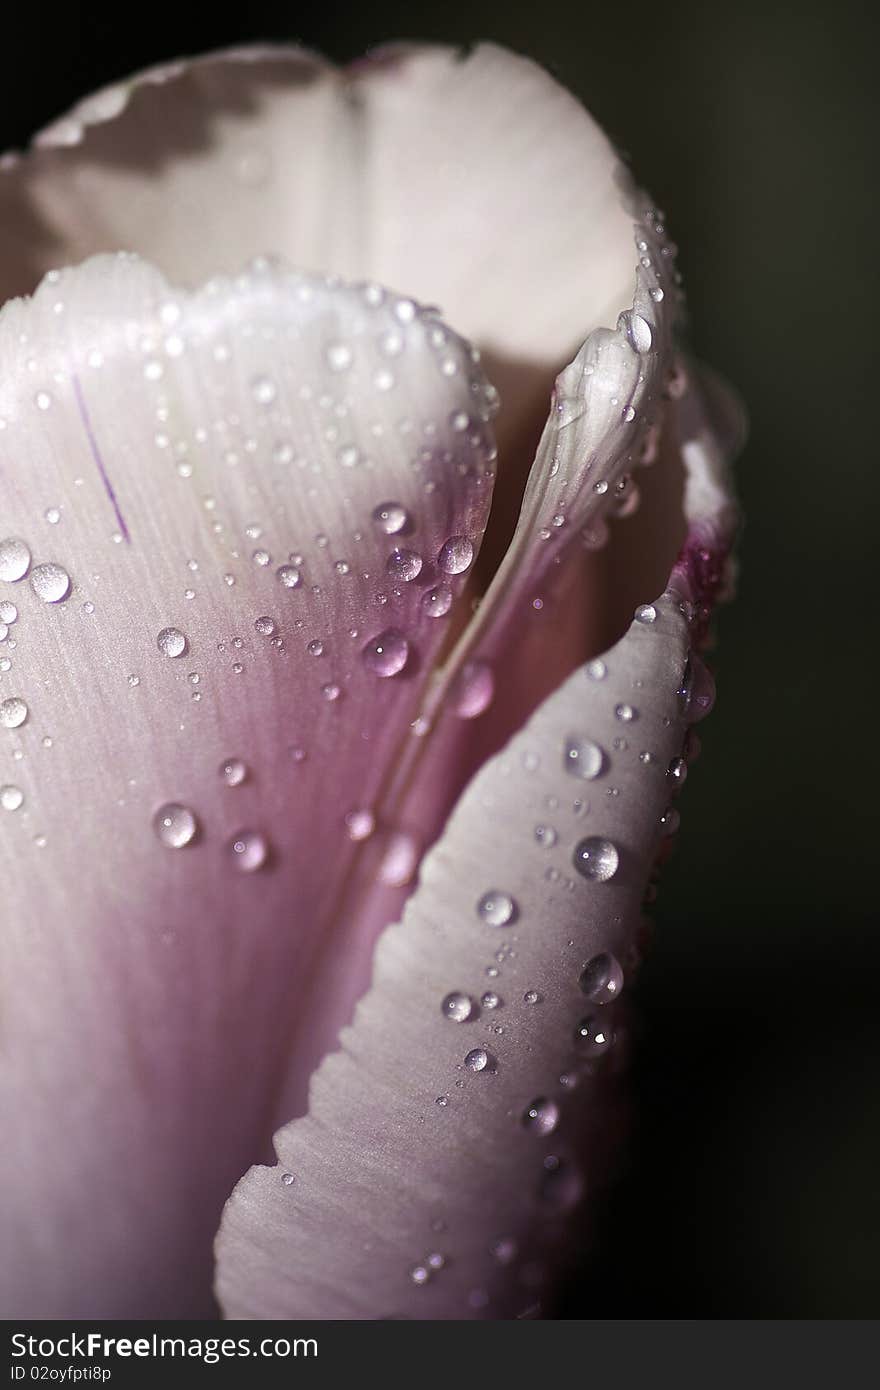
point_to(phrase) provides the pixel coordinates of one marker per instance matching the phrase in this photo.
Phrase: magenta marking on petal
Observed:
(96, 455)
(702, 570)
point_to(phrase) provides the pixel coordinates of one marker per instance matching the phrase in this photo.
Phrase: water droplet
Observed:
(473, 689)
(490, 1000)
(339, 357)
(625, 713)
(478, 1059)
(545, 836)
(360, 824)
(696, 693)
(288, 1179)
(532, 996)
(315, 647)
(8, 613)
(596, 859)
(437, 602)
(639, 332)
(677, 771)
(670, 821)
(391, 518)
(175, 825)
(646, 613)
(15, 559)
(541, 1117)
(52, 515)
(171, 642)
(583, 758)
(594, 1035)
(404, 565)
(265, 626)
(233, 772)
(435, 1260)
(289, 577)
(602, 978)
(504, 1250)
(497, 909)
(248, 850)
(387, 654)
(420, 1274)
(597, 670)
(50, 582)
(264, 390)
(456, 555)
(13, 712)
(11, 797)
(459, 1007)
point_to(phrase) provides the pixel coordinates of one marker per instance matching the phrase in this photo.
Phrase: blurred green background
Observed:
(752, 1185)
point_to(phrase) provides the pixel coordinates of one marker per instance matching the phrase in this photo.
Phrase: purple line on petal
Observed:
(96, 455)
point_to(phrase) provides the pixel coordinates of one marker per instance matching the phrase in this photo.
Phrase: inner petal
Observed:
(235, 524)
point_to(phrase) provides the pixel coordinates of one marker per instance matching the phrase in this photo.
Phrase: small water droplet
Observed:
(15, 559)
(175, 825)
(646, 613)
(602, 978)
(264, 390)
(497, 909)
(8, 613)
(459, 1007)
(233, 772)
(532, 996)
(583, 758)
(387, 654)
(289, 577)
(670, 821)
(478, 1059)
(11, 797)
(594, 1035)
(596, 859)
(490, 1000)
(391, 518)
(541, 1117)
(597, 670)
(473, 689)
(625, 713)
(50, 582)
(456, 555)
(360, 824)
(546, 836)
(420, 1274)
(405, 565)
(338, 357)
(13, 712)
(677, 771)
(288, 1179)
(172, 642)
(265, 626)
(52, 515)
(248, 850)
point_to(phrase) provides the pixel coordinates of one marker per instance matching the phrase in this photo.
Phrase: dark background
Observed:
(752, 1189)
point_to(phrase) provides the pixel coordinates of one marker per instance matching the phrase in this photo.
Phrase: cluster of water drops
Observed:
(177, 826)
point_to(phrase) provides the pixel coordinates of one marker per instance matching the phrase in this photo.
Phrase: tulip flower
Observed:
(332, 788)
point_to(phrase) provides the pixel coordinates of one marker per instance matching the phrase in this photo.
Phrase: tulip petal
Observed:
(436, 1172)
(224, 521)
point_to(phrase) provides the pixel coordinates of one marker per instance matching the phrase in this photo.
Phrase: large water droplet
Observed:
(646, 613)
(596, 859)
(602, 978)
(13, 712)
(639, 332)
(391, 518)
(582, 757)
(289, 576)
(387, 654)
(404, 565)
(248, 850)
(50, 582)
(175, 825)
(11, 797)
(437, 602)
(171, 642)
(497, 909)
(478, 1059)
(456, 555)
(15, 559)
(265, 626)
(459, 1007)
(541, 1116)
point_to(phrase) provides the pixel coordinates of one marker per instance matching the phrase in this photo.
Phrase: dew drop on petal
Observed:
(391, 517)
(583, 758)
(175, 825)
(596, 859)
(405, 565)
(541, 1117)
(478, 1059)
(288, 1179)
(289, 577)
(13, 712)
(8, 612)
(594, 1035)
(11, 797)
(473, 689)
(264, 390)
(15, 559)
(490, 1000)
(602, 978)
(233, 772)
(50, 582)
(387, 654)
(456, 555)
(248, 851)
(360, 824)
(437, 602)
(459, 1007)
(265, 626)
(497, 909)
(339, 357)
(646, 613)
(171, 642)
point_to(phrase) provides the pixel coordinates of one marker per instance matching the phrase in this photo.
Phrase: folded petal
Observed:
(226, 564)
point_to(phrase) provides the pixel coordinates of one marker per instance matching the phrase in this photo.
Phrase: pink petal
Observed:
(167, 459)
